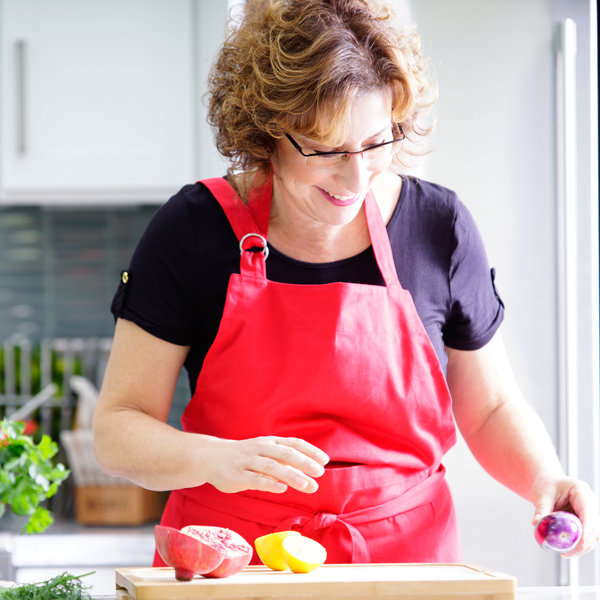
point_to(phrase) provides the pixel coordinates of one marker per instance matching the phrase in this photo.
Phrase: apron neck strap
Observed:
(250, 222)
(380, 241)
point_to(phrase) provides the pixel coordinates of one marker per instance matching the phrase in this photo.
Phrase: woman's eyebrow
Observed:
(379, 132)
(313, 141)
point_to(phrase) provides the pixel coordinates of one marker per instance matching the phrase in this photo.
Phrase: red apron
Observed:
(347, 367)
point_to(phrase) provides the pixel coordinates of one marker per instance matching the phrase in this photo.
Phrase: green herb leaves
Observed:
(65, 586)
(27, 475)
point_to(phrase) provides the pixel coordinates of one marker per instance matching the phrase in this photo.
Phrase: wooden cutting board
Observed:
(329, 582)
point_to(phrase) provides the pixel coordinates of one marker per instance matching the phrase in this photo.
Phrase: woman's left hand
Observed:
(572, 495)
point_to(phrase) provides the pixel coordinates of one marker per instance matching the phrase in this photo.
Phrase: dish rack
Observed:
(53, 387)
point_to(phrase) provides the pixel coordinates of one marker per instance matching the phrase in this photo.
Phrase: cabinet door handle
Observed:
(20, 48)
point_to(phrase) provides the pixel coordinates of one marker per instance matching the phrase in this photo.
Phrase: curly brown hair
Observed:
(296, 66)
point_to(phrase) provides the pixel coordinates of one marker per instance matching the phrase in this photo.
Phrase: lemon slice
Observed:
(270, 550)
(302, 554)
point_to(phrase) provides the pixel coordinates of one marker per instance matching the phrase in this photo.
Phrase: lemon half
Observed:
(302, 554)
(270, 549)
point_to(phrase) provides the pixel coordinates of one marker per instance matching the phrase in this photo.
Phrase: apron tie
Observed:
(322, 520)
(284, 518)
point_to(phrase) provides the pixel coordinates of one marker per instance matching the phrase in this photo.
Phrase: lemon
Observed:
(302, 554)
(270, 551)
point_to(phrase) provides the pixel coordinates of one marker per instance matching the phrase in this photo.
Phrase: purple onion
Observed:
(558, 532)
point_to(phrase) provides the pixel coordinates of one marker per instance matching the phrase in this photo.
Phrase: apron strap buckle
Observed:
(265, 248)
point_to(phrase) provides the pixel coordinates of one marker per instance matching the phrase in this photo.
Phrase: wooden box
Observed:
(118, 505)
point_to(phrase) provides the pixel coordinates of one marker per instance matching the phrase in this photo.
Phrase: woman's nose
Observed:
(355, 173)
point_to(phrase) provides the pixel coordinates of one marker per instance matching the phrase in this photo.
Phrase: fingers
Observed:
(291, 461)
(589, 540)
(549, 495)
(270, 464)
(302, 455)
(543, 507)
(266, 473)
(585, 505)
(574, 496)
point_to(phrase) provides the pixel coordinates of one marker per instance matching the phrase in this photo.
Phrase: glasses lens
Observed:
(380, 152)
(322, 161)
(375, 157)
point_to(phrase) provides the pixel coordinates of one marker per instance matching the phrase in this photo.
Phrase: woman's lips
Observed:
(337, 201)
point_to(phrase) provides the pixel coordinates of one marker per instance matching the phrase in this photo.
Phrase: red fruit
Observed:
(187, 554)
(558, 532)
(235, 548)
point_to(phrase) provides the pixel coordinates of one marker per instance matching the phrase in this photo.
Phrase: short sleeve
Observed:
(157, 290)
(476, 309)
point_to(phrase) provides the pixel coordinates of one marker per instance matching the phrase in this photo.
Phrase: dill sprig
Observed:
(61, 587)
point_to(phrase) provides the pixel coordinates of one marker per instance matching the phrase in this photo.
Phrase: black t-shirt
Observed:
(178, 275)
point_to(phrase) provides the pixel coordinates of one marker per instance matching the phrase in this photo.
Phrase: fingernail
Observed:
(322, 457)
(281, 486)
(300, 483)
(316, 470)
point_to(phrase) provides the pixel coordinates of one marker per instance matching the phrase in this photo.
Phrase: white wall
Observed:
(495, 145)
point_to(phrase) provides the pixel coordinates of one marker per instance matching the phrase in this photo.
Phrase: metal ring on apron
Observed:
(262, 239)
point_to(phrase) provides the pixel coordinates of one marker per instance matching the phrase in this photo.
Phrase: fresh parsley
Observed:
(28, 475)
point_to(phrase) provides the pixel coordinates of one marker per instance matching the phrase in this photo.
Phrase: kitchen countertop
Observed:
(134, 546)
(77, 550)
(528, 593)
(559, 593)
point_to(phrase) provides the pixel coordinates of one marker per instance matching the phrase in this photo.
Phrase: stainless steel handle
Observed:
(567, 259)
(20, 53)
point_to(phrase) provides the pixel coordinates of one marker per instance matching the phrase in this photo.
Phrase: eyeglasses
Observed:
(377, 155)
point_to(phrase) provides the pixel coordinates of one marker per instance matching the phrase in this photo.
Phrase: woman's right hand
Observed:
(268, 464)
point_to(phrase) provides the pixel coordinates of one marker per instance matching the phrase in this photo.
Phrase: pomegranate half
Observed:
(185, 553)
(236, 550)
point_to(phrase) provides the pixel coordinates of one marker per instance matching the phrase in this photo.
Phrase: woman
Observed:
(327, 365)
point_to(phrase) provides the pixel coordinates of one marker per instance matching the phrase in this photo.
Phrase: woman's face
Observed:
(332, 195)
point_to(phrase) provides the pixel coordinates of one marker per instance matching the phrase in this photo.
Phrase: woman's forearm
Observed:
(503, 432)
(513, 446)
(131, 437)
(148, 452)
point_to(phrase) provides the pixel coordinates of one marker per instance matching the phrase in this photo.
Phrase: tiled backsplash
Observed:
(59, 269)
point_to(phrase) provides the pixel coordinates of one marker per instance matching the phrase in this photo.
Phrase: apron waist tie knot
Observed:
(283, 517)
(360, 550)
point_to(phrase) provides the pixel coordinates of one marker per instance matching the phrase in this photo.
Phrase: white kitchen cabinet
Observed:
(97, 100)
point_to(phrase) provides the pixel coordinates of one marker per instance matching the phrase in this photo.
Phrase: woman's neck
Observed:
(298, 236)
(318, 243)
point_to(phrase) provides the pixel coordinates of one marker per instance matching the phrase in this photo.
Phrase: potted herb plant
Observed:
(28, 476)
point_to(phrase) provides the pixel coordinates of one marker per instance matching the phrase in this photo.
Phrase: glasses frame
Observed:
(347, 154)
